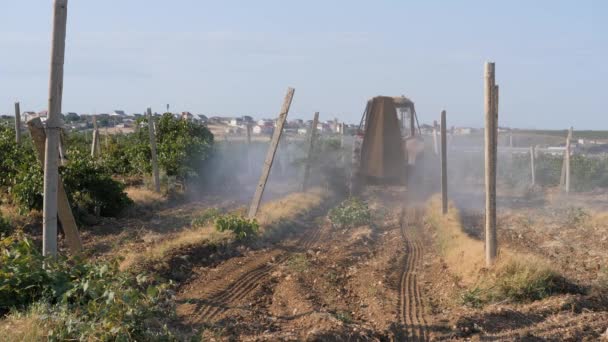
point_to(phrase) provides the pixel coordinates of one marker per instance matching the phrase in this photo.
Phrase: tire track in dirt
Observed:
(226, 295)
(411, 304)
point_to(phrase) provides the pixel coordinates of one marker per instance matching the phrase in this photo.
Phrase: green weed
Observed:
(242, 227)
(350, 213)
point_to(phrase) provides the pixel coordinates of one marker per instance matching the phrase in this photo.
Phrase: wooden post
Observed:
(17, 123)
(444, 165)
(248, 134)
(53, 125)
(95, 148)
(68, 223)
(155, 174)
(435, 144)
(342, 134)
(491, 127)
(532, 167)
(249, 168)
(272, 149)
(311, 146)
(567, 161)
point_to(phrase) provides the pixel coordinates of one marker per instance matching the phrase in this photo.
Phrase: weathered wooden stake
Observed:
(17, 123)
(95, 148)
(532, 167)
(155, 174)
(567, 161)
(444, 165)
(68, 223)
(53, 125)
(491, 114)
(272, 149)
(311, 147)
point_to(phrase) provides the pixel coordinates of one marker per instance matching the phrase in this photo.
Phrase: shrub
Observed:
(83, 301)
(207, 216)
(88, 184)
(350, 213)
(182, 146)
(242, 228)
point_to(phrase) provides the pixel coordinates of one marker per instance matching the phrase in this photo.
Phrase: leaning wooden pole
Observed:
(311, 147)
(444, 165)
(491, 129)
(155, 173)
(68, 223)
(272, 149)
(53, 126)
(17, 123)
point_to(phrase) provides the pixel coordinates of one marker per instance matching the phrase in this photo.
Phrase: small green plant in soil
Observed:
(206, 217)
(472, 297)
(350, 213)
(242, 227)
(298, 262)
(344, 316)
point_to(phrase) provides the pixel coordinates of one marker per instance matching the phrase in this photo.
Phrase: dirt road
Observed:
(318, 282)
(411, 302)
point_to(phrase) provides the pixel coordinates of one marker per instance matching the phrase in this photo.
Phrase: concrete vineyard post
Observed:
(532, 167)
(491, 114)
(17, 123)
(53, 125)
(272, 149)
(444, 165)
(68, 223)
(311, 146)
(155, 173)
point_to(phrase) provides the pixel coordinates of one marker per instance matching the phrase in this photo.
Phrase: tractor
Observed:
(387, 145)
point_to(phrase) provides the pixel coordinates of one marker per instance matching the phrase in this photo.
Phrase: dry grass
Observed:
(145, 197)
(18, 327)
(514, 277)
(270, 213)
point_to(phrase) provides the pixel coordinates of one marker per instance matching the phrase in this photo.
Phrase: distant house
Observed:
(187, 116)
(120, 113)
(303, 131)
(266, 122)
(262, 129)
(236, 122)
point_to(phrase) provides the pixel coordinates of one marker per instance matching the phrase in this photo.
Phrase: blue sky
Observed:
(238, 57)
